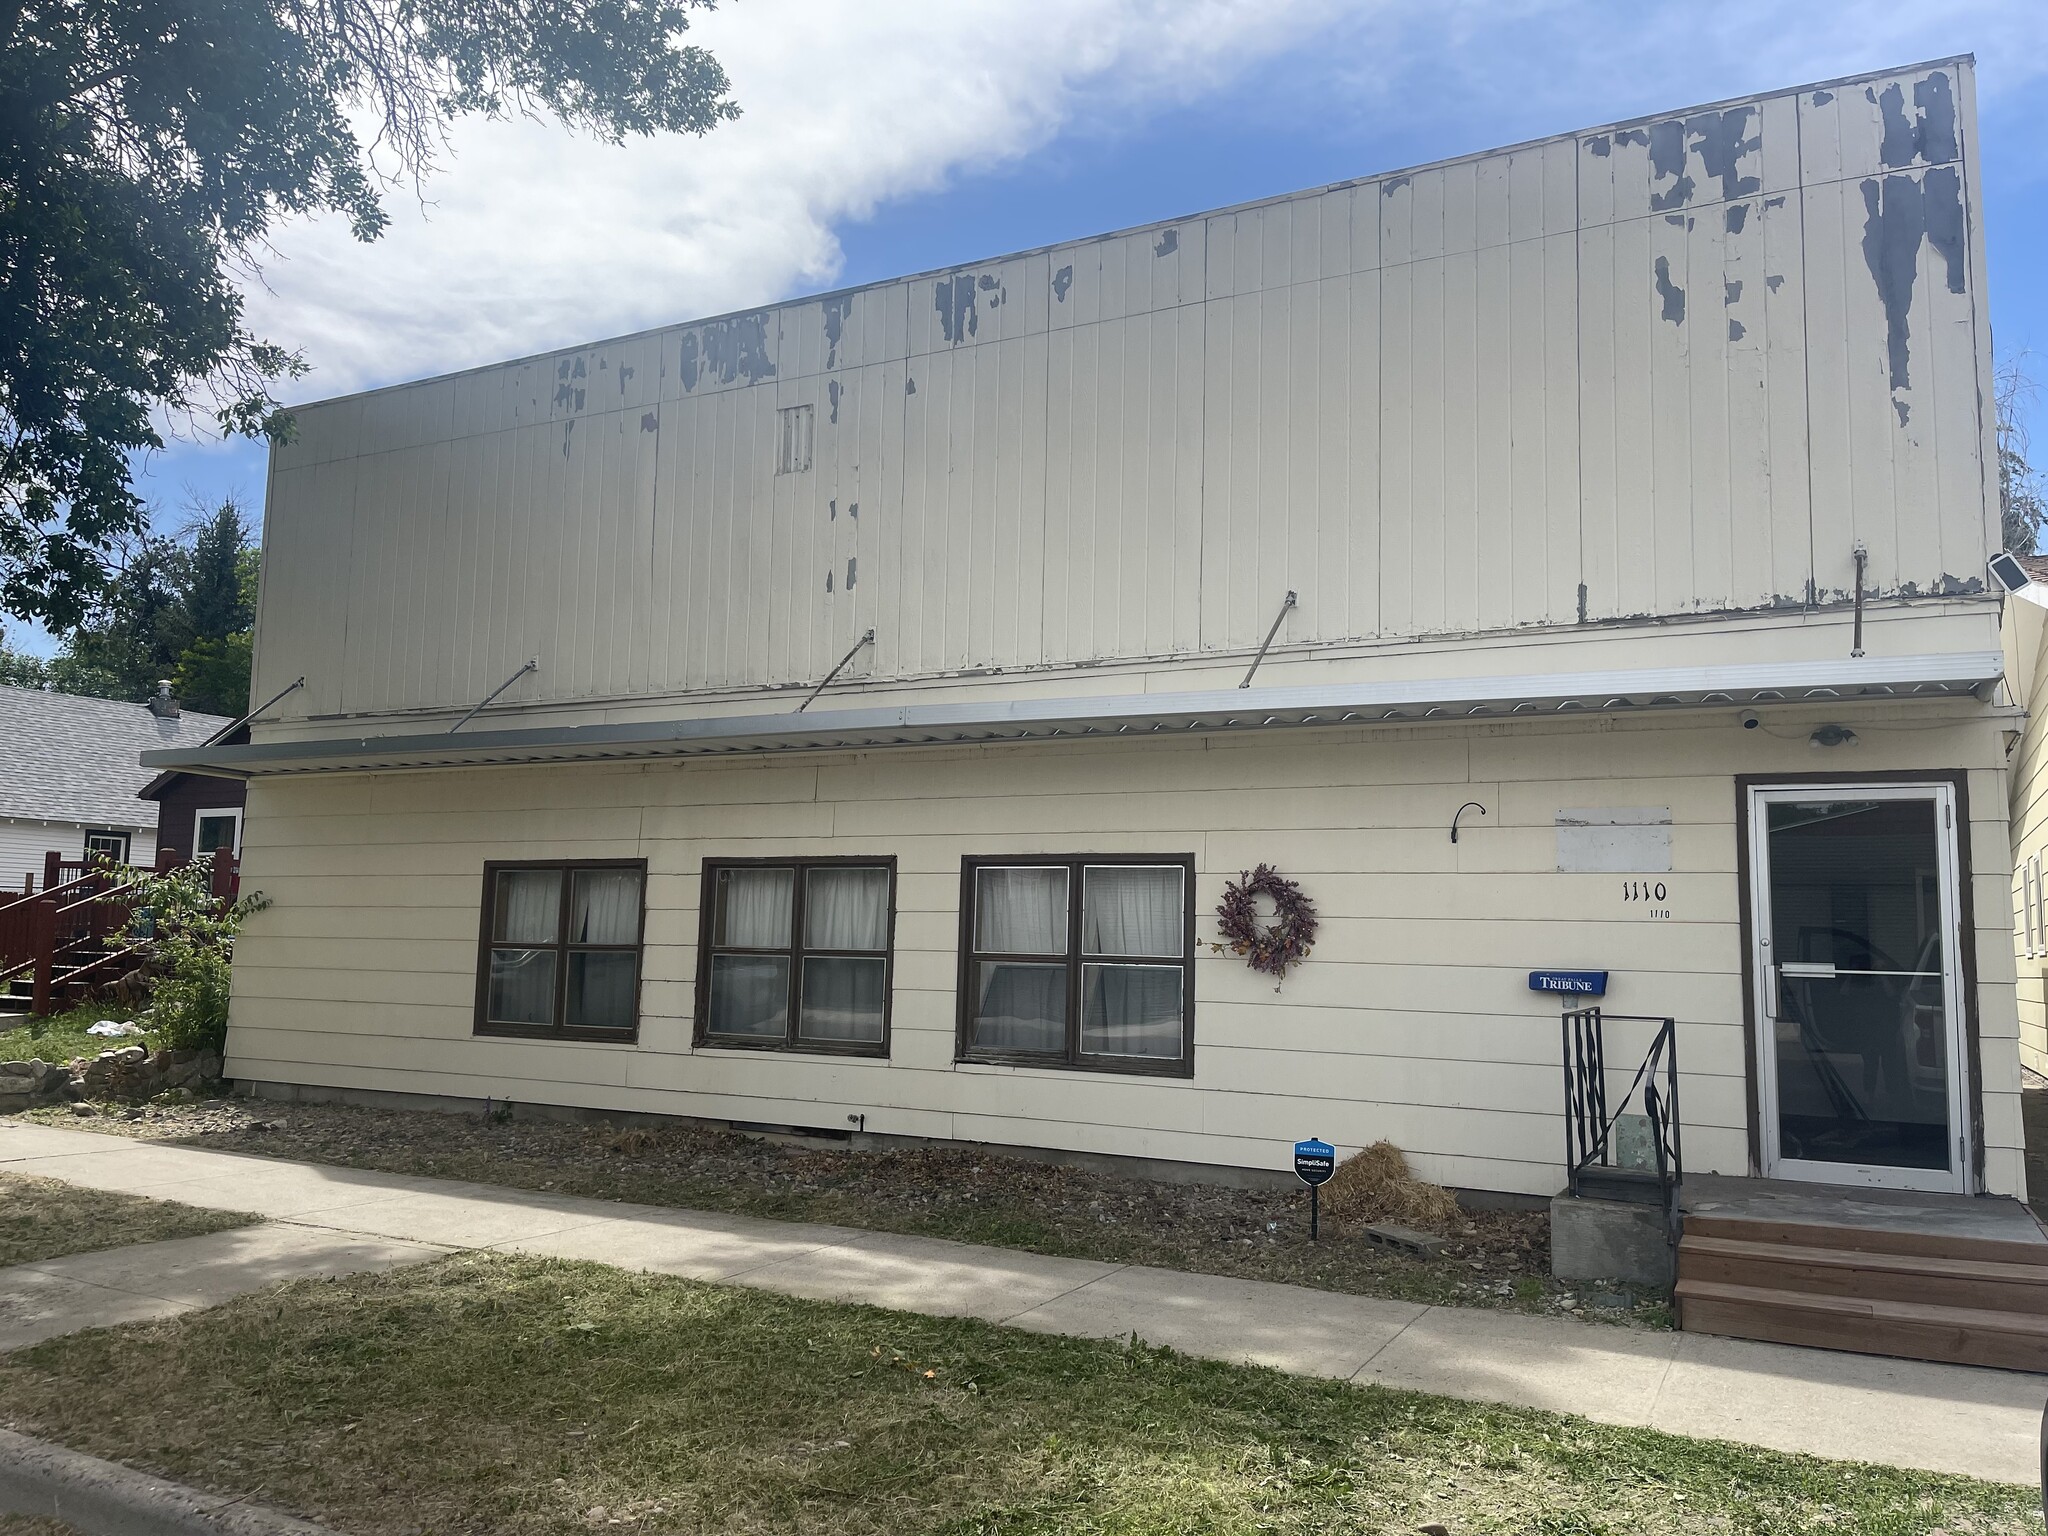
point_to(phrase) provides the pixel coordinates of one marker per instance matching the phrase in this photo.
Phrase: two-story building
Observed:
(1567, 557)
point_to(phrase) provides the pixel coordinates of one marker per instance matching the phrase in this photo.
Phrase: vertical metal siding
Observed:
(1682, 366)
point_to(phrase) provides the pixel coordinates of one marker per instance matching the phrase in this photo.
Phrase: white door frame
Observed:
(1956, 1178)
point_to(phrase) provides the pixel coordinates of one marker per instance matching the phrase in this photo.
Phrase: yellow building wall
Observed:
(1411, 1021)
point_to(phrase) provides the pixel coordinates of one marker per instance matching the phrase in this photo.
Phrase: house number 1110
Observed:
(1650, 894)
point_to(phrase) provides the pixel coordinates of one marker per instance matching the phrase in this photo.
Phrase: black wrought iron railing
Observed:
(1592, 1163)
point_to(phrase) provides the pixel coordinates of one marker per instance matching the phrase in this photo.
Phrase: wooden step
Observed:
(1978, 1284)
(1802, 1234)
(1909, 1330)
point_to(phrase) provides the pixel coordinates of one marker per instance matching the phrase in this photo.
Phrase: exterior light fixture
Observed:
(1832, 736)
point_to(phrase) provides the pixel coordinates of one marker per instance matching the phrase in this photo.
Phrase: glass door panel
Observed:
(1856, 895)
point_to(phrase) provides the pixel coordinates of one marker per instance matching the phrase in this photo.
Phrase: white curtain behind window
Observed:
(846, 908)
(529, 905)
(606, 907)
(842, 998)
(1020, 1007)
(1131, 1010)
(1132, 910)
(1020, 911)
(757, 907)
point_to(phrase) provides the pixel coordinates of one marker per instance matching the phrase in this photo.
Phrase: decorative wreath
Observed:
(1268, 947)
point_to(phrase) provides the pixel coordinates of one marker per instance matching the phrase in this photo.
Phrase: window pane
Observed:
(604, 907)
(753, 908)
(214, 832)
(522, 987)
(1133, 910)
(1131, 1010)
(846, 908)
(1020, 1007)
(842, 998)
(1020, 911)
(603, 991)
(529, 906)
(749, 995)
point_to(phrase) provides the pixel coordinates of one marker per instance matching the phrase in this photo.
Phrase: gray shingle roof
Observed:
(65, 758)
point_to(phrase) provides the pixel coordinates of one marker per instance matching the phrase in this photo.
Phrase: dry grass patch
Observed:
(1376, 1185)
(46, 1219)
(526, 1397)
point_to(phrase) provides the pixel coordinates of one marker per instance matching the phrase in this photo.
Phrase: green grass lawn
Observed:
(63, 1037)
(45, 1219)
(507, 1395)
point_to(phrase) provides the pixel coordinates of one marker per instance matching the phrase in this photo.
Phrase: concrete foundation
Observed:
(1609, 1240)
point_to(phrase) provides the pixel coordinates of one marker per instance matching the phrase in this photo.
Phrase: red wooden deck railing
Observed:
(58, 940)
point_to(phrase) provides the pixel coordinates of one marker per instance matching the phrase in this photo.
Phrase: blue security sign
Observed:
(1314, 1161)
(1578, 983)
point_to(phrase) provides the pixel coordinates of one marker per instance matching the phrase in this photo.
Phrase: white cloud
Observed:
(534, 238)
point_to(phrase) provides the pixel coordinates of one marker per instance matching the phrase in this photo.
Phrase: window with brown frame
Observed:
(560, 954)
(794, 954)
(1085, 961)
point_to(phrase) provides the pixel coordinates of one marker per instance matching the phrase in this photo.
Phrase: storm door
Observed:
(1859, 1002)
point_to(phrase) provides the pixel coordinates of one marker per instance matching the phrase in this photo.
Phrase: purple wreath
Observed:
(1269, 947)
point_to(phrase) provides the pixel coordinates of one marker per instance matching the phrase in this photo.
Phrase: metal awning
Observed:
(1867, 678)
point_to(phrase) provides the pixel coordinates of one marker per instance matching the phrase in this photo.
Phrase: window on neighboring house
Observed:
(795, 954)
(217, 828)
(106, 845)
(1079, 962)
(561, 949)
(2031, 902)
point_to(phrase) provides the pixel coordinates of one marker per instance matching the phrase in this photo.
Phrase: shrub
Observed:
(191, 936)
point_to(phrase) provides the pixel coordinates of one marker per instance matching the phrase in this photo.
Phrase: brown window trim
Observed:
(791, 1043)
(483, 1025)
(1074, 1060)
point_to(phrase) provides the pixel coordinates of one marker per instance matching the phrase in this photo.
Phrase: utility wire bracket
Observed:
(1267, 643)
(866, 639)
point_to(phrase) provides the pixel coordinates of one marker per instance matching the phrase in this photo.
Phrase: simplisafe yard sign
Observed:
(1314, 1162)
(1581, 983)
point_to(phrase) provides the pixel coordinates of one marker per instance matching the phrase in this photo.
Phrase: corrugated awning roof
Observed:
(1037, 719)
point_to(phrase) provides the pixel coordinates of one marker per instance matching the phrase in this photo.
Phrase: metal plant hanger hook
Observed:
(1469, 805)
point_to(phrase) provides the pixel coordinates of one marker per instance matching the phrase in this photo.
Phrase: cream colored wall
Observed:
(2026, 642)
(1411, 1021)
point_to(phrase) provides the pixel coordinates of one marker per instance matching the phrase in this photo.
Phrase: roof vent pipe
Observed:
(161, 703)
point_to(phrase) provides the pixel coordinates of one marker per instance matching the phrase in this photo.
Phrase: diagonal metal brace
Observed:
(1267, 643)
(866, 639)
(531, 666)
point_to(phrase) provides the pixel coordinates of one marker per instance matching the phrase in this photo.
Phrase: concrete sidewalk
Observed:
(1942, 1418)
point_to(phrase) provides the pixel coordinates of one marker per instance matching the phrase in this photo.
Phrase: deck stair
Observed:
(1923, 1277)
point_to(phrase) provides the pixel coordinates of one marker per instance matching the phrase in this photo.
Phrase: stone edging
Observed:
(107, 1499)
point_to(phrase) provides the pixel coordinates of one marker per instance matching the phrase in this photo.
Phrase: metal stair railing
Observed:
(1588, 1122)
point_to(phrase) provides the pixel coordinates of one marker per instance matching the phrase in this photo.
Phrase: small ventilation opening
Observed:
(797, 431)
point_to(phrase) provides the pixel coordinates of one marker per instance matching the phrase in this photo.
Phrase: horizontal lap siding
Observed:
(1412, 1020)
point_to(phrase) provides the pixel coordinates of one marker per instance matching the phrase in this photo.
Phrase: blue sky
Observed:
(897, 135)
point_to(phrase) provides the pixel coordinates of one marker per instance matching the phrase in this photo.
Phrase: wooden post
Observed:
(223, 874)
(50, 862)
(166, 860)
(43, 944)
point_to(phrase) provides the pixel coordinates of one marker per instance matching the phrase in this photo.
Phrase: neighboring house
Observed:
(197, 812)
(2026, 650)
(71, 772)
(1621, 500)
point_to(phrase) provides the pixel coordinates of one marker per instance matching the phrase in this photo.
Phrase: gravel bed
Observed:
(1496, 1259)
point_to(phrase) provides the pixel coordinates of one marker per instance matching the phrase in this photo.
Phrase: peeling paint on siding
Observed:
(832, 393)
(1929, 135)
(1899, 212)
(1736, 216)
(852, 566)
(1062, 280)
(1672, 295)
(728, 351)
(1720, 140)
(650, 422)
(835, 311)
(1392, 185)
(953, 297)
(1822, 98)
(569, 394)
(1167, 244)
(1599, 145)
